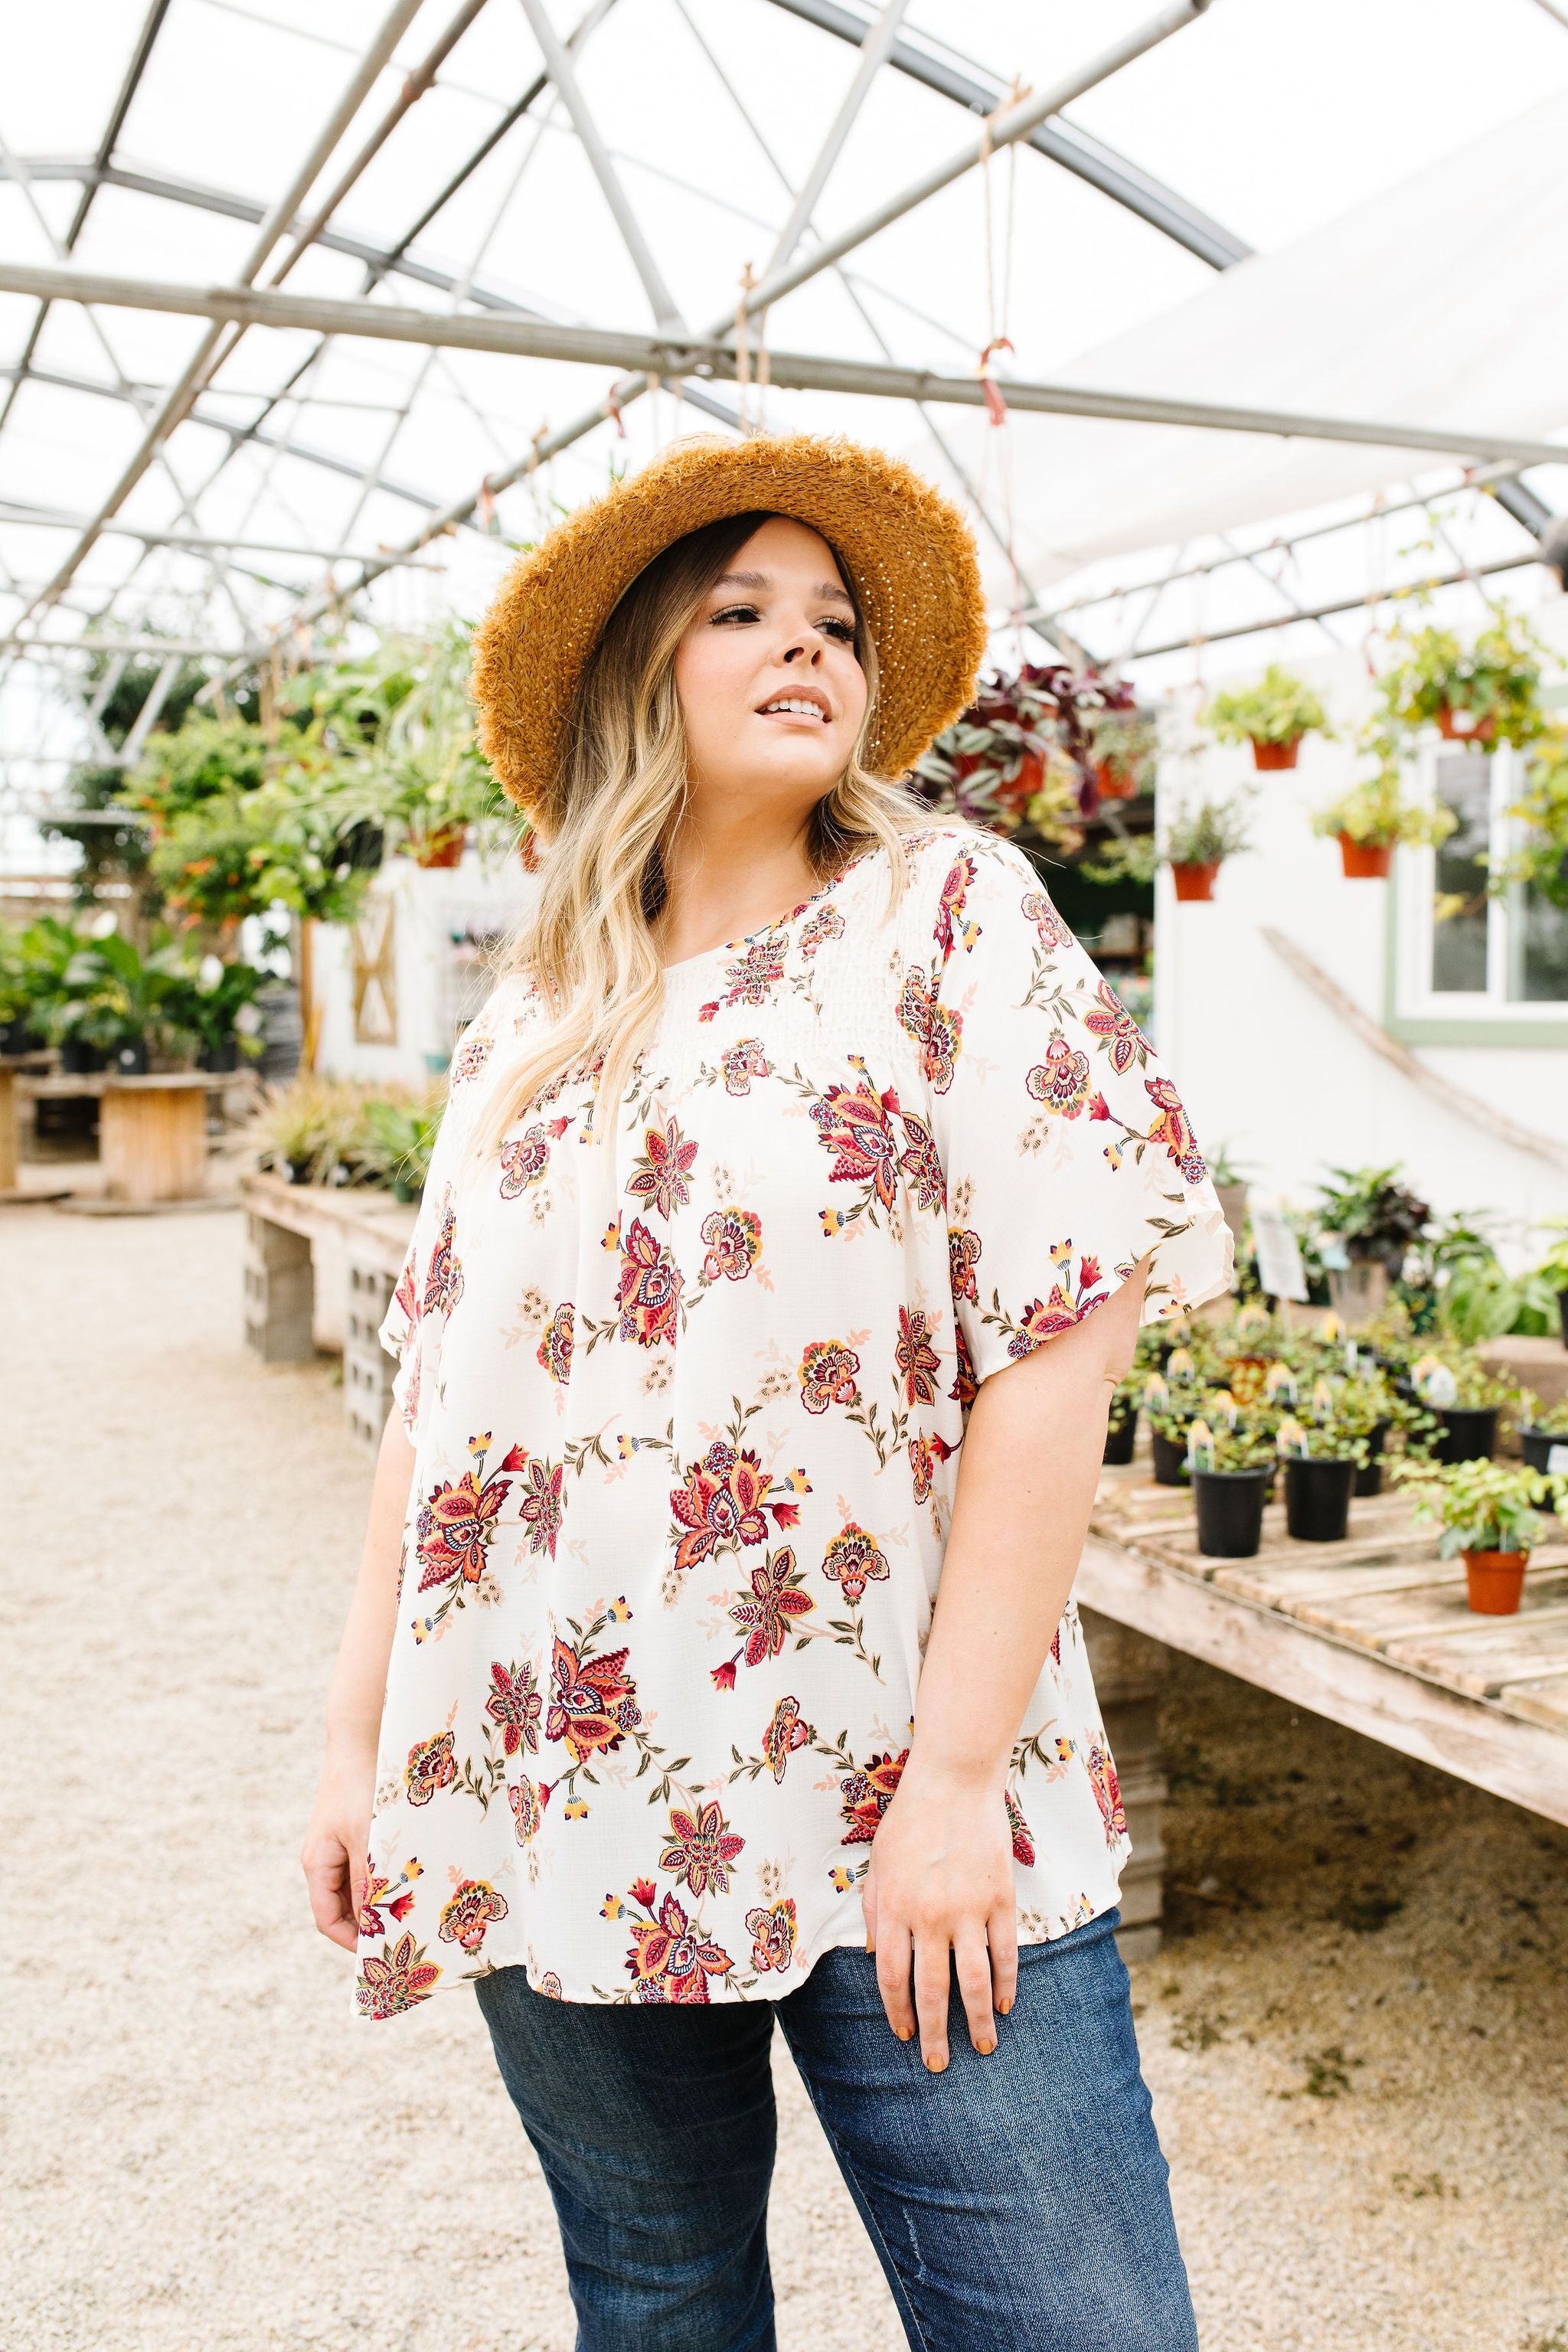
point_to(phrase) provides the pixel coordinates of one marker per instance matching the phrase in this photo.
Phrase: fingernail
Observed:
(985, 2048)
(936, 2065)
(1004, 2008)
(905, 2032)
(870, 1947)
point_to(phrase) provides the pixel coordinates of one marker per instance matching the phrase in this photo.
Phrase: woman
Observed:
(801, 1191)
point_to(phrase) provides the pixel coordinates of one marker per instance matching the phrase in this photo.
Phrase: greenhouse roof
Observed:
(1270, 295)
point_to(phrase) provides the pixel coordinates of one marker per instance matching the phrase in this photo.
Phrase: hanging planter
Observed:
(442, 848)
(1025, 753)
(1125, 752)
(1484, 693)
(1113, 783)
(1272, 716)
(1365, 861)
(1193, 883)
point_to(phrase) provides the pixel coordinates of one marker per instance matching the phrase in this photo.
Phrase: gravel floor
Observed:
(1357, 2035)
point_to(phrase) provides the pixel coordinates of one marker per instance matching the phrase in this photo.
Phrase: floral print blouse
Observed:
(688, 1408)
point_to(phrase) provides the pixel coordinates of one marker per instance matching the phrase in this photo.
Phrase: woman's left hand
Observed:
(939, 1894)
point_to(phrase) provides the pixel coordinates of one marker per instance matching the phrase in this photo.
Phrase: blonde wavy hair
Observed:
(622, 794)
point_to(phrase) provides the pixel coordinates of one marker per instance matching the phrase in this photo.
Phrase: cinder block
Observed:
(368, 1370)
(280, 1293)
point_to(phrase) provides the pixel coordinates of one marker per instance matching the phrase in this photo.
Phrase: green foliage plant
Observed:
(1494, 681)
(1550, 1420)
(1280, 708)
(1371, 1213)
(1540, 862)
(397, 1141)
(1481, 1506)
(1205, 833)
(1376, 815)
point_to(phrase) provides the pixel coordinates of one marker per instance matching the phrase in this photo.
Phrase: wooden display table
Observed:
(153, 1134)
(1373, 1632)
(7, 1124)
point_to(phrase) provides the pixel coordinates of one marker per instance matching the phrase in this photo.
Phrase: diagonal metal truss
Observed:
(474, 316)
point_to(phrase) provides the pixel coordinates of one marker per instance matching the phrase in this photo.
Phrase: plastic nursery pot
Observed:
(300, 1171)
(1495, 1581)
(1194, 882)
(220, 1058)
(1318, 1498)
(1365, 861)
(443, 847)
(1268, 758)
(1539, 1446)
(1170, 1459)
(1120, 1439)
(1563, 1314)
(1230, 1511)
(1369, 1474)
(1463, 726)
(1468, 1432)
(130, 1060)
(1113, 783)
(77, 1059)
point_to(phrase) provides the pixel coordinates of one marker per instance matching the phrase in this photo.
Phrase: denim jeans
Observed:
(1018, 2202)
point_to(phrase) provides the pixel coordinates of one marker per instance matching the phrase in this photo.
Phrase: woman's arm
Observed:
(333, 1854)
(941, 1884)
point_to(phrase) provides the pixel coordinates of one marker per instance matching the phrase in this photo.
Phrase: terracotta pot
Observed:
(1114, 784)
(444, 847)
(1365, 861)
(1495, 1580)
(1463, 726)
(1194, 882)
(1269, 757)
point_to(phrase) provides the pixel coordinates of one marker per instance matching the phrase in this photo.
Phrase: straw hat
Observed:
(907, 551)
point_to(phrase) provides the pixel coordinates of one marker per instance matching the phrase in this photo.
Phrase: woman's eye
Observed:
(843, 631)
(737, 613)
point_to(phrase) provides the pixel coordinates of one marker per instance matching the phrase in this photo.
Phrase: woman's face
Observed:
(771, 692)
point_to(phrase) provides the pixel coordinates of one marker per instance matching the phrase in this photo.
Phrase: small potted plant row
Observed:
(1491, 1515)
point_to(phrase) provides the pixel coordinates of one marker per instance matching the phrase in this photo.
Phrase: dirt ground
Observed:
(1357, 2035)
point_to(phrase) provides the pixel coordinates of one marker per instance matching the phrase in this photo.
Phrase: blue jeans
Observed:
(1018, 2202)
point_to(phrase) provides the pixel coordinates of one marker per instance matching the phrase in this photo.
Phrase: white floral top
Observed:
(688, 1408)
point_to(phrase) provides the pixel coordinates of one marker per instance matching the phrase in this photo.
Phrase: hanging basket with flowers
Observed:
(1272, 716)
(1023, 754)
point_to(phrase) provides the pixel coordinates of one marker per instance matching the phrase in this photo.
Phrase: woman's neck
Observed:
(729, 881)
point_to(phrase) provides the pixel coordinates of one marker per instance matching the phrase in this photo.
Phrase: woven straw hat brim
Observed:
(908, 550)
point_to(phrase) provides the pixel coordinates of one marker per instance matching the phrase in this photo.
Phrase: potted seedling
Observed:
(1490, 1516)
(1170, 1407)
(397, 1144)
(1482, 694)
(1543, 1433)
(1231, 1471)
(1374, 819)
(1466, 1400)
(1272, 716)
(1200, 837)
(1321, 1463)
(1359, 1405)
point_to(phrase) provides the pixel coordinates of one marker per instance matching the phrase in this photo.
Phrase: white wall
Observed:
(1264, 1064)
(429, 906)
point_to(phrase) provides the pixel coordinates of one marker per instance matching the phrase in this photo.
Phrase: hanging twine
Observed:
(998, 307)
(742, 348)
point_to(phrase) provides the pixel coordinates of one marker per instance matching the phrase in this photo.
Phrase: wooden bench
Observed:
(286, 1226)
(1373, 1632)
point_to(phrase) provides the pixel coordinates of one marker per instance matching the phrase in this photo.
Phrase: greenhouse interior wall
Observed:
(1269, 1069)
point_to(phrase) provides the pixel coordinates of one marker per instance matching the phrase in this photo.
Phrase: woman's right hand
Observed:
(333, 1854)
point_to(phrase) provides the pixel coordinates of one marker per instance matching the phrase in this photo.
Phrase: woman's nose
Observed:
(807, 647)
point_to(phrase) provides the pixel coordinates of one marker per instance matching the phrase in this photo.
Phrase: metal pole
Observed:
(563, 74)
(874, 49)
(198, 367)
(1346, 604)
(792, 371)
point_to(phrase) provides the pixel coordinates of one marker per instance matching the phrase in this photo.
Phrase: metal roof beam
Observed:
(1344, 605)
(670, 356)
(1076, 151)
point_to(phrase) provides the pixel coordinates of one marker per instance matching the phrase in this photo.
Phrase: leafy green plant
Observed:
(1551, 1420)
(1371, 1214)
(1375, 814)
(1540, 863)
(114, 995)
(421, 773)
(397, 1142)
(1128, 742)
(1494, 683)
(1476, 1390)
(1217, 1446)
(242, 854)
(214, 1003)
(310, 1129)
(1205, 833)
(1481, 1506)
(1279, 709)
(1552, 1269)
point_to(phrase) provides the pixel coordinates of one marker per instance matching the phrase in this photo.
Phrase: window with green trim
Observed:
(1463, 952)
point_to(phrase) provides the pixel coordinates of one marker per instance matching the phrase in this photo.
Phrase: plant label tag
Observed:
(1279, 1268)
(1557, 1460)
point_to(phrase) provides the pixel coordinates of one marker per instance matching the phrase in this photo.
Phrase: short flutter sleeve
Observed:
(1066, 1151)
